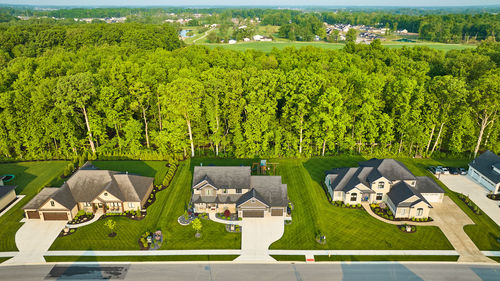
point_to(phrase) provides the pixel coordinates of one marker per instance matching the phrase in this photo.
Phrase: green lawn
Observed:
(2, 259)
(485, 231)
(30, 178)
(163, 214)
(385, 258)
(140, 258)
(268, 46)
(347, 229)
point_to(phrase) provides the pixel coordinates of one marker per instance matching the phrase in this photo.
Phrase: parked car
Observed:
(463, 171)
(445, 170)
(432, 169)
(439, 170)
(454, 171)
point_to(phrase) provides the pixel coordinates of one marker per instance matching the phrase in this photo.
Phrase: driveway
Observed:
(257, 235)
(477, 193)
(33, 239)
(451, 220)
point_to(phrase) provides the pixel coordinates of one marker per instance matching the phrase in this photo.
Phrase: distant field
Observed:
(268, 46)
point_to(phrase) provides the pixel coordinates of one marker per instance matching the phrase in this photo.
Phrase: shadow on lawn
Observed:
(22, 177)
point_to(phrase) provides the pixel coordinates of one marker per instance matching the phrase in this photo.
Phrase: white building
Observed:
(485, 170)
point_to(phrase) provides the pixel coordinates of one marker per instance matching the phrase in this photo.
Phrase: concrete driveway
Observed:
(33, 239)
(451, 220)
(257, 235)
(477, 193)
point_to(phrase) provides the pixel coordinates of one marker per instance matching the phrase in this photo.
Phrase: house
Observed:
(91, 190)
(388, 181)
(7, 195)
(485, 169)
(217, 189)
(232, 41)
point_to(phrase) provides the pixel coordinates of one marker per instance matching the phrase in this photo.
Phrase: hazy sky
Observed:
(256, 2)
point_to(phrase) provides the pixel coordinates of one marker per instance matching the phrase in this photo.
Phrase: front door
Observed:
(99, 207)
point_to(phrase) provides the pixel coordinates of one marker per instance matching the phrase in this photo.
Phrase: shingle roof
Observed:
(229, 177)
(6, 189)
(271, 189)
(401, 191)
(41, 198)
(249, 195)
(484, 164)
(220, 198)
(427, 185)
(85, 185)
(388, 168)
(345, 179)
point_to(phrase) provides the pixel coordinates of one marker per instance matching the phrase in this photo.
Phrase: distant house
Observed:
(217, 189)
(388, 181)
(93, 191)
(485, 170)
(7, 195)
(246, 39)
(232, 41)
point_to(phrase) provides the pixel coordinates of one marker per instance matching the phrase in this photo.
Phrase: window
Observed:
(224, 191)
(238, 190)
(52, 203)
(354, 196)
(131, 205)
(86, 204)
(380, 184)
(207, 192)
(253, 200)
(379, 196)
(420, 211)
(105, 194)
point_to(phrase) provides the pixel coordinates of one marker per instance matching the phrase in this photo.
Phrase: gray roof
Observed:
(267, 189)
(271, 189)
(6, 189)
(427, 185)
(401, 191)
(484, 164)
(85, 185)
(388, 168)
(229, 177)
(345, 179)
(41, 198)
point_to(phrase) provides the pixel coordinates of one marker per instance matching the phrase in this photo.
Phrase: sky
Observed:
(411, 3)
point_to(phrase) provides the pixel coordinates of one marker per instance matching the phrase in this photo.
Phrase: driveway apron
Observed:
(257, 235)
(33, 239)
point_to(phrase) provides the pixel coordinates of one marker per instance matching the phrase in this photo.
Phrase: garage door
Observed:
(487, 184)
(276, 212)
(55, 216)
(33, 214)
(433, 197)
(253, 213)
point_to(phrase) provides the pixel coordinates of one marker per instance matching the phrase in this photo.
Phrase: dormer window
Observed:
(381, 184)
(52, 203)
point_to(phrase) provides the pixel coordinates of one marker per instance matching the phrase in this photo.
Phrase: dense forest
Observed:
(133, 90)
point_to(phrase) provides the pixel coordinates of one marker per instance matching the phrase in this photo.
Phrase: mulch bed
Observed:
(81, 219)
(495, 197)
(403, 228)
(232, 217)
(469, 204)
(112, 234)
(343, 205)
(237, 228)
(386, 215)
(152, 196)
(71, 231)
(128, 215)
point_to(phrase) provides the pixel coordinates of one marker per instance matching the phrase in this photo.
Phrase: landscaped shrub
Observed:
(359, 205)
(170, 175)
(227, 213)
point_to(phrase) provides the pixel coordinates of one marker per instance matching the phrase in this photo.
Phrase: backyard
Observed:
(163, 214)
(30, 178)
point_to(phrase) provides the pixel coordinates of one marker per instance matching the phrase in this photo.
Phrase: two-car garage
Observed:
(48, 216)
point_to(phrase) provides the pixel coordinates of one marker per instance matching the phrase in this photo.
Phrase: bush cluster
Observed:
(144, 239)
(170, 175)
(470, 204)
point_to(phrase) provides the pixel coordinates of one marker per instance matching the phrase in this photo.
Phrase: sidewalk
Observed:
(212, 217)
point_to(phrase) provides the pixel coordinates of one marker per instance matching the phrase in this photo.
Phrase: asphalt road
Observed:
(241, 272)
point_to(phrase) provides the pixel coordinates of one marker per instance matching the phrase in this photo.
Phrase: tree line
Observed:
(137, 101)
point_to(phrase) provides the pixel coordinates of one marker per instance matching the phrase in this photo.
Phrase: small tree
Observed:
(197, 226)
(111, 224)
(227, 213)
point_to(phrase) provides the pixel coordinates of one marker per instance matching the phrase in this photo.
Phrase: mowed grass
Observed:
(140, 258)
(346, 229)
(267, 47)
(162, 215)
(30, 178)
(385, 258)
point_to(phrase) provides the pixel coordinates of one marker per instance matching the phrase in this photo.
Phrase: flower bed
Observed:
(81, 217)
(344, 205)
(469, 203)
(134, 215)
(67, 231)
(230, 217)
(143, 241)
(387, 214)
(493, 196)
(233, 228)
(406, 228)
